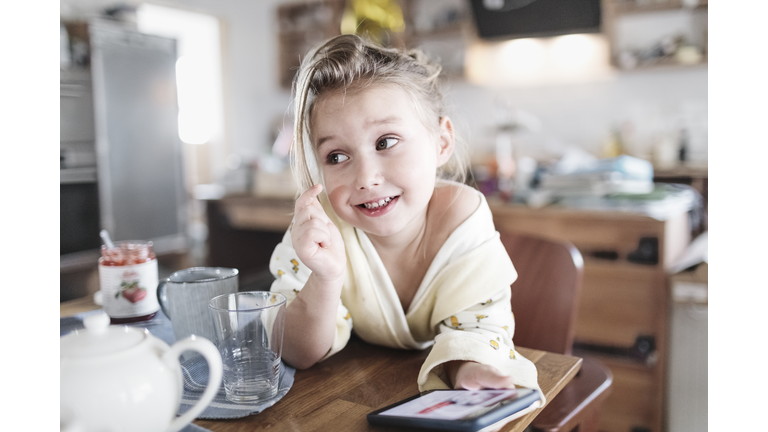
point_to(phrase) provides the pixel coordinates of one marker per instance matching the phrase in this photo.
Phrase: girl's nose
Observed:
(367, 174)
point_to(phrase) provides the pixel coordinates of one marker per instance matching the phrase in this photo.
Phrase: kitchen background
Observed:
(654, 103)
(647, 107)
(578, 95)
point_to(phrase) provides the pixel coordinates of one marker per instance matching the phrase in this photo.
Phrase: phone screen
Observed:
(455, 404)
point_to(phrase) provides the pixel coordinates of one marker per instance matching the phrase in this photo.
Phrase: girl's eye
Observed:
(335, 158)
(385, 143)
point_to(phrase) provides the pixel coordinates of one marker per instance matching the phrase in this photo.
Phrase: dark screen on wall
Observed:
(535, 18)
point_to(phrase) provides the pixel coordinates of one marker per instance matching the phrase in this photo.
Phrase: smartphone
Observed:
(458, 410)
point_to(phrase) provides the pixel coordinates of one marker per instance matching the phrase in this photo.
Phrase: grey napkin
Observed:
(195, 374)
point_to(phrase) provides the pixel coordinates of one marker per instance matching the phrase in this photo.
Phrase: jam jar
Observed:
(128, 280)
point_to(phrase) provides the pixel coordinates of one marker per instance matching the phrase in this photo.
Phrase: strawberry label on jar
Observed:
(130, 288)
(129, 291)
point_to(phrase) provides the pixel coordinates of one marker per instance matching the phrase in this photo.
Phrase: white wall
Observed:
(654, 101)
(581, 115)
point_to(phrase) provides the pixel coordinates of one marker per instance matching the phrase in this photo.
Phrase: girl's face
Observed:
(379, 162)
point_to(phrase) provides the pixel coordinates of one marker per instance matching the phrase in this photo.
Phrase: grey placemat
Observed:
(195, 373)
(194, 428)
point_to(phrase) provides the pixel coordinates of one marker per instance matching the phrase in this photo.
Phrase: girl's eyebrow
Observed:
(372, 122)
(385, 120)
(323, 140)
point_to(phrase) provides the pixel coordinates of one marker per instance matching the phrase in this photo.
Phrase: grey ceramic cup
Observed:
(184, 298)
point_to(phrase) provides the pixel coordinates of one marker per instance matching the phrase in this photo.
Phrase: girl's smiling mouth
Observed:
(378, 207)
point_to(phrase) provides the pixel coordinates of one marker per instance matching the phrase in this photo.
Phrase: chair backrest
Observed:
(545, 296)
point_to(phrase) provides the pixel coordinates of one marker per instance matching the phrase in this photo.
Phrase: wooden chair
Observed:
(545, 300)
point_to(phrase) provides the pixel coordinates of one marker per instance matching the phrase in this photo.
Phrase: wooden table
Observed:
(337, 394)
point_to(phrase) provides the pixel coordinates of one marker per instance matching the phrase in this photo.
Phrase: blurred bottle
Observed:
(505, 161)
(665, 151)
(682, 150)
(614, 145)
(506, 166)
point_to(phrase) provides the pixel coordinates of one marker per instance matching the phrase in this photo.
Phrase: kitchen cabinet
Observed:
(623, 317)
(656, 33)
(79, 209)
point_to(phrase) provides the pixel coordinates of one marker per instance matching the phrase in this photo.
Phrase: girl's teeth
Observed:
(377, 204)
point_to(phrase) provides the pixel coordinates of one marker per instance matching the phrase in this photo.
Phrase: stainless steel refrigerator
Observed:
(139, 153)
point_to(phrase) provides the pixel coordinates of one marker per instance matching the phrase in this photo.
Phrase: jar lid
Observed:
(99, 338)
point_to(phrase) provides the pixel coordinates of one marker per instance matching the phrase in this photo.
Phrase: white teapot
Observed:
(119, 378)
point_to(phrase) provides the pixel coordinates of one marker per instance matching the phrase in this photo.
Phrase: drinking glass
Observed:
(248, 331)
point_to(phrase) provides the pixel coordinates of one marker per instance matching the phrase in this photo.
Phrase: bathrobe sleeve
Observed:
(476, 329)
(291, 275)
(483, 333)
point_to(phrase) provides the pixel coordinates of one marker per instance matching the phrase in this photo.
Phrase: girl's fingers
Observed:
(308, 206)
(309, 213)
(478, 376)
(309, 196)
(316, 239)
(311, 239)
(497, 381)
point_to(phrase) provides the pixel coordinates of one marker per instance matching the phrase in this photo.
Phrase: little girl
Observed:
(381, 242)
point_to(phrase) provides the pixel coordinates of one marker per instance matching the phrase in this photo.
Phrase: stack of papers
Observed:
(623, 174)
(662, 202)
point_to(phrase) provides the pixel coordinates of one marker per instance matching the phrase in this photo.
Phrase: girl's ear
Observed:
(445, 141)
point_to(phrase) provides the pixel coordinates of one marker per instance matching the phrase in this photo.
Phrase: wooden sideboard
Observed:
(243, 230)
(623, 315)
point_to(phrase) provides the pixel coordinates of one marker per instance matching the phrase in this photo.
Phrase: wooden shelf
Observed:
(455, 30)
(615, 11)
(661, 63)
(619, 264)
(630, 6)
(700, 170)
(301, 25)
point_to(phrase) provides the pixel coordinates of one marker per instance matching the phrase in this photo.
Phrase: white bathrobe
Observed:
(462, 305)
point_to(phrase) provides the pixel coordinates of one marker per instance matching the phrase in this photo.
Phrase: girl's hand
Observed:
(316, 239)
(475, 376)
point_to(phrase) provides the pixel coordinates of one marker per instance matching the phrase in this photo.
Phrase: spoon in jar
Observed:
(107, 241)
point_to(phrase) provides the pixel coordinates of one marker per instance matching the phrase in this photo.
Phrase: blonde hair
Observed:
(349, 62)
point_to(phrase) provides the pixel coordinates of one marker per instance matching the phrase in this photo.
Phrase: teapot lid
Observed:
(99, 338)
